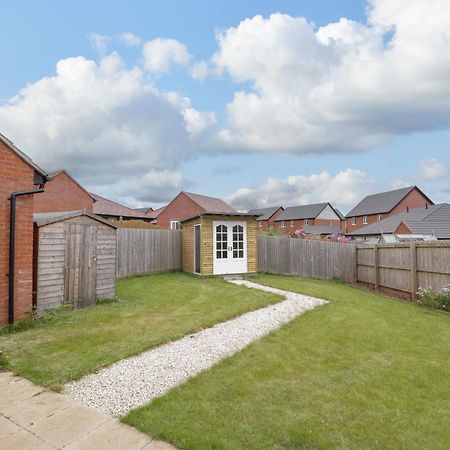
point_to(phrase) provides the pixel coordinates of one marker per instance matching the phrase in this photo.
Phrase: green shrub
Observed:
(434, 299)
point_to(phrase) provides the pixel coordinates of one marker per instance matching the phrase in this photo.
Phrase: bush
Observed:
(434, 299)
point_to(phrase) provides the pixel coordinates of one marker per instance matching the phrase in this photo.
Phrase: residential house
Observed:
(114, 211)
(63, 193)
(266, 216)
(433, 220)
(20, 179)
(320, 214)
(377, 207)
(187, 204)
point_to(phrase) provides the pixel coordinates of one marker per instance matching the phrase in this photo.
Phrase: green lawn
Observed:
(363, 372)
(150, 311)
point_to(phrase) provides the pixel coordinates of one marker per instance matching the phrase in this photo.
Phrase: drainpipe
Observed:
(12, 246)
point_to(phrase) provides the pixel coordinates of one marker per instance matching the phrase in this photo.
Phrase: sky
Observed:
(260, 103)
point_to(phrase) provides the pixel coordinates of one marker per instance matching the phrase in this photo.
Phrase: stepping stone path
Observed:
(137, 380)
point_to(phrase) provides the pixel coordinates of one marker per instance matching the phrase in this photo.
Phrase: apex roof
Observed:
(382, 202)
(106, 207)
(302, 212)
(209, 203)
(54, 174)
(434, 220)
(265, 213)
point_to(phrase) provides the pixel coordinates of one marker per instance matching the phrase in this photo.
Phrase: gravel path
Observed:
(139, 379)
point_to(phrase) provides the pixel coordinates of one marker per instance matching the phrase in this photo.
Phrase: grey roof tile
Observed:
(265, 213)
(301, 212)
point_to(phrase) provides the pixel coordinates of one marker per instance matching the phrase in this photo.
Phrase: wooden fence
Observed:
(307, 258)
(141, 251)
(405, 266)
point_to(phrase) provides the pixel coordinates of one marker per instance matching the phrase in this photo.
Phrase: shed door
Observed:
(230, 247)
(80, 274)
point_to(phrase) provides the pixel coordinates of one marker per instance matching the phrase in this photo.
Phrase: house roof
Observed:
(209, 203)
(23, 156)
(218, 213)
(382, 202)
(52, 175)
(302, 212)
(42, 219)
(339, 213)
(265, 213)
(321, 229)
(106, 207)
(144, 210)
(434, 220)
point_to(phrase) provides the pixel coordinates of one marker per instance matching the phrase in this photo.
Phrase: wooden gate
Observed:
(80, 274)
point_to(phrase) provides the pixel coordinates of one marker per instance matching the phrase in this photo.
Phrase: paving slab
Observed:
(24, 440)
(18, 389)
(7, 427)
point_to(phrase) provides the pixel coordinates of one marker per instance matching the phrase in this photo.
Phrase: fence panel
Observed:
(141, 251)
(307, 258)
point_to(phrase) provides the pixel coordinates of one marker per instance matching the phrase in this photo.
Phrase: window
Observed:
(174, 224)
(282, 224)
(353, 220)
(365, 220)
(306, 222)
(292, 224)
(380, 216)
(260, 224)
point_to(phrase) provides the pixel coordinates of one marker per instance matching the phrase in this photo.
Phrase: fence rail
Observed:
(307, 258)
(141, 251)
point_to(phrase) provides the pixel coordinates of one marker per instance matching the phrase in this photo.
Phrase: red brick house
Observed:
(20, 180)
(111, 210)
(266, 216)
(63, 193)
(319, 214)
(377, 207)
(187, 204)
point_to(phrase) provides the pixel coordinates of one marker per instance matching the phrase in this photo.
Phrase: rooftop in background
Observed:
(434, 220)
(105, 207)
(265, 213)
(52, 175)
(382, 202)
(209, 203)
(302, 212)
(219, 213)
(23, 156)
(321, 229)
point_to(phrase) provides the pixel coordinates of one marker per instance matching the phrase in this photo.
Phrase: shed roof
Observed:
(209, 203)
(23, 156)
(302, 212)
(42, 219)
(106, 207)
(219, 213)
(265, 213)
(434, 220)
(382, 202)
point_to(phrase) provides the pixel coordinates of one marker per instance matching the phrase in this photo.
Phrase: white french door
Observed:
(230, 247)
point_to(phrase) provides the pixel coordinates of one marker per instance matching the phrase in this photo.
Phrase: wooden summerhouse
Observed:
(74, 259)
(219, 243)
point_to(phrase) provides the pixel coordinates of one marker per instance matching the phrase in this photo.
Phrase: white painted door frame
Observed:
(229, 247)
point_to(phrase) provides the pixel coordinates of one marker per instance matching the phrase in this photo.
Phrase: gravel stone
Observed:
(137, 380)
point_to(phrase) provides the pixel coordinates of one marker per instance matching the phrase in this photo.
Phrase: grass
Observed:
(65, 345)
(363, 372)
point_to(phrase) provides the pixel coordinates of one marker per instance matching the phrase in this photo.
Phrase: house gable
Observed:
(328, 213)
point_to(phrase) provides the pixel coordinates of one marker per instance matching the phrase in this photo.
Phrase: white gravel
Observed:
(137, 380)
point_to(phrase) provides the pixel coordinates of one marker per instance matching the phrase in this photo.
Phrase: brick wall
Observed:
(181, 207)
(413, 200)
(63, 194)
(15, 176)
(265, 224)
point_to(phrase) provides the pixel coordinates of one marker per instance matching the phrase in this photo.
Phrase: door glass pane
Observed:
(221, 242)
(238, 241)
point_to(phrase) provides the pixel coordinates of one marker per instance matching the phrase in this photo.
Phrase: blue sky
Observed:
(361, 137)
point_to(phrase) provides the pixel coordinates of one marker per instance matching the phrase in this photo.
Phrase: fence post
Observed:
(414, 275)
(376, 258)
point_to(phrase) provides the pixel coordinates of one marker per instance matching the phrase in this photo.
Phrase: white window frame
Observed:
(282, 224)
(380, 217)
(175, 225)
(292, 224)
(260, 224)
(353, 220)
(306, 222)
(365, 220)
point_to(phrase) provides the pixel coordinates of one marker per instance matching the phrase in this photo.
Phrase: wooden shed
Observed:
(74, 259)
(219, 243)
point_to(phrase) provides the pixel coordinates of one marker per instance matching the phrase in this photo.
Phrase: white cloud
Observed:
(160, 54)
(129, 39)
(433, 170)
(99, 42)
(199, 71)
(107, 125)
(343, 190)
(341, 87)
